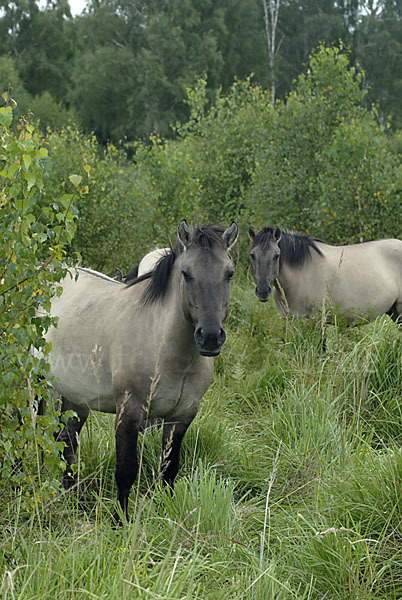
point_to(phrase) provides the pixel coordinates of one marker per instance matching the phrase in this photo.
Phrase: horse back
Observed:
(380, 256)
(364, 278)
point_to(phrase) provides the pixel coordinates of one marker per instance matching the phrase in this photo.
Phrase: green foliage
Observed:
(33, 234)
(123, 67)
(43, 107)
(318, 162)
(136, 60)
(102, 80)
(128, 207)
(325, 165)
(166, 183)
(48, 112)
(42, 43)
(10, 80)
(379, 51)
(203, 176)
(117, 216)
(223, 142)
(359, 186)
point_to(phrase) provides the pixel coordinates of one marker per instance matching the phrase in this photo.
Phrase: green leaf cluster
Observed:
(33, 235)
(112, 212)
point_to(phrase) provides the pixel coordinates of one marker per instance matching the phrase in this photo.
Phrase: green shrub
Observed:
(325, 167)
(317, 162)
(110, 229)
(34, 231)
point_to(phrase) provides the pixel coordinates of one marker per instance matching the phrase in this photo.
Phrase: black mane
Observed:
(208, 236)
(295, 247)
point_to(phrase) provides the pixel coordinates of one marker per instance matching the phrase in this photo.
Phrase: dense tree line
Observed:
(121, 68)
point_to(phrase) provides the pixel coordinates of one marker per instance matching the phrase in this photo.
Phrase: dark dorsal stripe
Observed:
(295, 247)
(209, 236)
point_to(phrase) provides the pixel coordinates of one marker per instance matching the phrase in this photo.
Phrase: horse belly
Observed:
(77, 379)
(364, 295)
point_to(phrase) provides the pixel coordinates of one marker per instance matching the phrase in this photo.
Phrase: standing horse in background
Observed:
(143, 349)
(149, 261)
(146, 265)
(363, 280)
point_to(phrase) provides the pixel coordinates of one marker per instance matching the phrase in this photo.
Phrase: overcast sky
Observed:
(77, 6)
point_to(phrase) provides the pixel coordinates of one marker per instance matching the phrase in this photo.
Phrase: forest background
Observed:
(126, 82)
(121, 68)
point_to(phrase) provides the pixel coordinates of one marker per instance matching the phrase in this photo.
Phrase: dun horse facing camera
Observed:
(145, 349)
(362, 280)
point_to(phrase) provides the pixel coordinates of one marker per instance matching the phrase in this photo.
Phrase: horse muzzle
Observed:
(263, 295)
(209, 342)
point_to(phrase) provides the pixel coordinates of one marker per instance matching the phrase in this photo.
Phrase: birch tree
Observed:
(271, 13)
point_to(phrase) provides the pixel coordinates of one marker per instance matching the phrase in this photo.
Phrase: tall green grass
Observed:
(290, 484)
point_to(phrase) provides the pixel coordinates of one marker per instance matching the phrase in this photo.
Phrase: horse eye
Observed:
(276, 256)
(230, 275)
(187, 276)
(252, 256)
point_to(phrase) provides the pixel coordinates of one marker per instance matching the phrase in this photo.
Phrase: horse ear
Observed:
(185, 234)
(230, 235)
(277, 234)
(251, 233)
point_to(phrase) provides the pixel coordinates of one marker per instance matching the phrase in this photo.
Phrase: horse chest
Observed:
(176, 395)
(173, 392)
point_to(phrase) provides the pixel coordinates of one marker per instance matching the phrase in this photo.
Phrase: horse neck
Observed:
(289, 272)
(177, 330)
(293, 275)
(286, 275)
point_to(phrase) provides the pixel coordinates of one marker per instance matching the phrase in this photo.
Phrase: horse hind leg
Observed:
(395, 312)
(69, 435)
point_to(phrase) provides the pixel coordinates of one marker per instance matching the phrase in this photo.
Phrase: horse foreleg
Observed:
(172, 437)
(128, 421)
(69, 435)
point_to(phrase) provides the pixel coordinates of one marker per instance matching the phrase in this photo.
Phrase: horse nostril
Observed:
(199, 336)
(209, 340)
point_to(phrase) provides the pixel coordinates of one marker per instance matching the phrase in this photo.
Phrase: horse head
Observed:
(206, 271)
(265, 253)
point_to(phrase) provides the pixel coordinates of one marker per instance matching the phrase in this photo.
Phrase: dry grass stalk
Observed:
(267, 510)
(96, 361)
(167, 450)
(323, 317)
(284, 301)
(122, 408)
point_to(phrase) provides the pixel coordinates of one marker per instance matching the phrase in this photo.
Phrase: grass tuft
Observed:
(289, 487)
